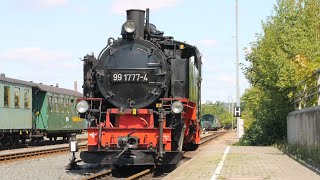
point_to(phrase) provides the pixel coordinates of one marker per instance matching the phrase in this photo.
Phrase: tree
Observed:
(219, 110)
(286, 52)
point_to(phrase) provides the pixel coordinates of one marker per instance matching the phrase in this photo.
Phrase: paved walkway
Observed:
(241, 162)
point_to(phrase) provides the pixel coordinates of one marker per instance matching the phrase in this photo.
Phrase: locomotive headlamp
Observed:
(177, 107)
(82, 106)
(129, 26)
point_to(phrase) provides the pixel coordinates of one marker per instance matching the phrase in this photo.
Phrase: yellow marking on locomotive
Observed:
(181, 46)
(158, 105)
(134, 111)
(76, 119)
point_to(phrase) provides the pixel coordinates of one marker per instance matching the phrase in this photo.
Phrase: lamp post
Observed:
(237, 62)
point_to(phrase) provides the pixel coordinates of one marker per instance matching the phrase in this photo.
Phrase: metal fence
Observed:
(307, 92)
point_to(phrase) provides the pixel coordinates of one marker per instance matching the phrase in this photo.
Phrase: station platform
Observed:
(221, 160)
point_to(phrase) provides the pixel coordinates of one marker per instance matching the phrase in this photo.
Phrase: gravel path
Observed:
(47, 167)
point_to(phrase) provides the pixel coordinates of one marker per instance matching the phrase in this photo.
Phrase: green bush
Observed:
(285, 53)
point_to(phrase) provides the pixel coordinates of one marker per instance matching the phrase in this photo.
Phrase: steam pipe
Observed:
(99, 138)
(147, 20)
(161, 119)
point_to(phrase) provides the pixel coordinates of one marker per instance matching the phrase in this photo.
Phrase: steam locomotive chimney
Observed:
(137, 16)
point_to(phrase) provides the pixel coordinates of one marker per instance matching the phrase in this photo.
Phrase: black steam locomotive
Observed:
(141, 97)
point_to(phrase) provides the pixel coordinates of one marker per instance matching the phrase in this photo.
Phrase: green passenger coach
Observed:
(15, 105)
(33, 111)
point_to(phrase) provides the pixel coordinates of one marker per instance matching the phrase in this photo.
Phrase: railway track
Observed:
(38, 144)
(107, 172)
(149, 170)
(142, 173)
(205, 139)
(99, 175)
(29, 154)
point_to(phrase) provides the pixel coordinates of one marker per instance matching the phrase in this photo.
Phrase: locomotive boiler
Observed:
(141, 97)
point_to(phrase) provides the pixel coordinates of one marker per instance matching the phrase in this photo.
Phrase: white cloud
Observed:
(120, 6)
(34, 55)
(42, 65)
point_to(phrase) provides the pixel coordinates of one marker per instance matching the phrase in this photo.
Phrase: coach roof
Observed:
(42, 87)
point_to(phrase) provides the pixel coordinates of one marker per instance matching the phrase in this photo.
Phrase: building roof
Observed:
(42, 87)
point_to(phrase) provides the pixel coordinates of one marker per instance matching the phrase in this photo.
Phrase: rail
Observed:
(98, 175)
(142, 173)
(23, 155)
(307, 92)
(212, 136)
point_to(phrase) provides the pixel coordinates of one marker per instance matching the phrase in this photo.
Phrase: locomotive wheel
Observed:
(7, 141)
(23, 140)
(15, 140)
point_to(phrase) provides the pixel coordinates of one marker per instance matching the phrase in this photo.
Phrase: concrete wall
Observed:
(304, 126)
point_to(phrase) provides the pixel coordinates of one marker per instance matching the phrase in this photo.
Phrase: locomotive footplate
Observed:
(132, 157)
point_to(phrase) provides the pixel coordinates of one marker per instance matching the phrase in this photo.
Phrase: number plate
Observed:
(76, 119)
(129, 77)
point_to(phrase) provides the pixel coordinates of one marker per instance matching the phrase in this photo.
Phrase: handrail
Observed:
(306, 91)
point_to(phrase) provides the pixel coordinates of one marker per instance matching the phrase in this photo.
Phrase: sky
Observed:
(44, 40)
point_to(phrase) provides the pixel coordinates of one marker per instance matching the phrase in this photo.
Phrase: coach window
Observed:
(26, 99)
(67, 106)
(71, 105)
(6, 96)
(61, 105)
(16, 97)
(50, 104)
(56, 105)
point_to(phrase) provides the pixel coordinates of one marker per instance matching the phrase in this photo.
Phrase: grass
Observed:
(309, 155)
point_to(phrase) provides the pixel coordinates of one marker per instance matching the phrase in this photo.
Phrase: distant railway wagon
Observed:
(210, 122)
(33, 111)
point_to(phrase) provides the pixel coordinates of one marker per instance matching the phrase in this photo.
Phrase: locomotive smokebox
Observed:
(137, 16)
